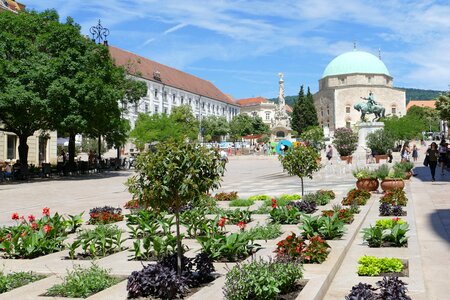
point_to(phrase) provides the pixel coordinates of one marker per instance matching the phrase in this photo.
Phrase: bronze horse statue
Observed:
(366, 108)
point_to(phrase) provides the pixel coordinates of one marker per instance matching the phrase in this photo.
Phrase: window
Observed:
(182, 100)
(146, 107)
(347, 124)
(394, 110)
(173, 98)
(136, 107)
(42, 149)
(280, 134)
(347, 109)
(11, 147)
(165, 95)
(156, 93)
(165, 110)
(190, 101)
(267, 115)
(156, 109)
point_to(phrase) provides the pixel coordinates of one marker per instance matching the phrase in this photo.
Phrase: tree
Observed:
(185, 119)
(259, 127)
(240, 126)
(345, 141)
(215, 127)
(26, 70)
(380, 141)
(443, 106)
(301, 161)
(157, 127)
(314, 137)
(304, 113)
(172, 176)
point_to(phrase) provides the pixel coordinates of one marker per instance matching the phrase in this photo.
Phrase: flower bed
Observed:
(293, 247)
(328, 228)
(33, 237)
(374, 266)
(105, 215)
(387, 209)
(387, 233)
(388, 288)
(343, 214)
(355, 196)
(395, 197)
(14, 280)
(226, 196)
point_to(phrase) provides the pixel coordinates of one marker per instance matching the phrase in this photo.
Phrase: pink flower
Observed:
(34, 226)
(47, 228)
(15, 216)
(46, 211)
(31, 218)
(24, 234)
(8, 236)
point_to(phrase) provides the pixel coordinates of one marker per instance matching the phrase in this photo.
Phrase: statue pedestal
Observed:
(364, 129)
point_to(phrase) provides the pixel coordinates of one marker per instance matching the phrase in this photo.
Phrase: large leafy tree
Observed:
(259, 127)
(443, 106)
(185, 119)
(301, 161)
(26, 70)
(214, 127)
(241, 125)
(175, 174)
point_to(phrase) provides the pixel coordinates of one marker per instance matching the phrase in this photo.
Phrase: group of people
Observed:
(8, 171)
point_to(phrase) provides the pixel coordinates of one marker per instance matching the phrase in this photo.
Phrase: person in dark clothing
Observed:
(433, 156)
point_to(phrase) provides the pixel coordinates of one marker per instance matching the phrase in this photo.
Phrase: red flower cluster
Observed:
(241, 225)
(104, 218)
(274, 203)
(222, 222)
(31, 218)
(46, 211)
(47, 228)
(15, 216)
(315, 250)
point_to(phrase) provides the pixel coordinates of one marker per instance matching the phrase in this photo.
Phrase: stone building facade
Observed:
(169, 87)
(346, 79)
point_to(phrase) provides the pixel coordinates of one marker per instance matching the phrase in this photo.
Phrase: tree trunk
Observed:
(23, 150)
(99, 147)
(179, 246)
(301, 178)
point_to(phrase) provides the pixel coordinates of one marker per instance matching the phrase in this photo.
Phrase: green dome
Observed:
(355, 62)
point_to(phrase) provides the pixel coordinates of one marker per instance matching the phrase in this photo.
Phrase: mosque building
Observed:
(348, 78)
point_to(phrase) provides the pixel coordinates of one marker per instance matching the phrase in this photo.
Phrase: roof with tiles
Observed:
(421, 103)
(154, 71)
(11, 5)
(252, 101)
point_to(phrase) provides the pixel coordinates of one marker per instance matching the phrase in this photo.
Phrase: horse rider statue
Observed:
(371, 107)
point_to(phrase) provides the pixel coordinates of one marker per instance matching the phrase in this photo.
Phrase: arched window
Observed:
(347, 109)
(280, 134)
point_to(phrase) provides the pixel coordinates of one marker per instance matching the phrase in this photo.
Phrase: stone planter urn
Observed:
(348, 159)
(390, 184)
(367, 184)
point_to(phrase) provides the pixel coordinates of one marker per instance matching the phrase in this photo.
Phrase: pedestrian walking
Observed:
(443, 155)
(432, 155)
(329, 153)
(414, 153)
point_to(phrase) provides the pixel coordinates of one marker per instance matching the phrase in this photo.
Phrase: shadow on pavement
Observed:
(424, 174)
(437, 219)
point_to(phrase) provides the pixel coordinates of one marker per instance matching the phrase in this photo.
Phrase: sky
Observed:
(241, 46)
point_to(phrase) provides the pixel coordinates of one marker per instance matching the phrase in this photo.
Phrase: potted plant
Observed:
(406, 167)
(366, 179)
(390, 178)
(380, 142)
(345, 141)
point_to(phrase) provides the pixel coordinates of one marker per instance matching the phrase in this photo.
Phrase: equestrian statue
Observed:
(371, 107)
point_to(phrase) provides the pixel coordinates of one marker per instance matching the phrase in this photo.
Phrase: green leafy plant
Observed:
(196, 222)
(73, 222)
(262, 210)
(280, 202)
(374, 236)
(261, 280)
(235, 216)
(285, 215)
(374, 266)
(406, 166)
(387, 233)
(241, 202)
(343, 214)
(101, 241)
(321, 197)
(81, 283)
(382, 171)
(301, 161)
(328, 228)
(234, 247)
(288, 197)
(266, 232)
(259, 198)
(345, 141)
(395, 197)
(17, 279)
(395, 173)
(364, 173)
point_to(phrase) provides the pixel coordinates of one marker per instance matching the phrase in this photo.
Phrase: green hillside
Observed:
(411, 93)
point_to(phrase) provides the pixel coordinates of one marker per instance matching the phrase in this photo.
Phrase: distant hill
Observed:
(411, 94)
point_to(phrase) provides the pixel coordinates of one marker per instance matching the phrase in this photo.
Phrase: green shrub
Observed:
(404, 166)
(241, 202)
(17, 279)
(374, 266)
(321, 197)
(380, 141)
(364, 173)
(326, 227)
(266, 232)
(262, 210)
(285, 215)
(280, 202)
(290, 197)
(223, 196)
(261, 280)
(259, 197)
(81, 283)
(382, 171)
(395, 197)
